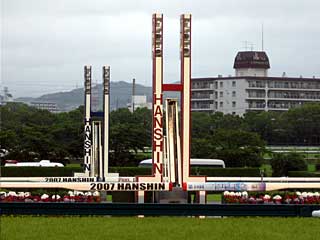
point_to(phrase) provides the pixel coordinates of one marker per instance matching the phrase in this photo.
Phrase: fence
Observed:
(126, 209)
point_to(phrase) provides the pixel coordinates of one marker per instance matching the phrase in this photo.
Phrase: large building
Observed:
(139, 102)
(251, 89)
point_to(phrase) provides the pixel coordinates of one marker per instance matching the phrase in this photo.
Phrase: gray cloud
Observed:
(44, 44)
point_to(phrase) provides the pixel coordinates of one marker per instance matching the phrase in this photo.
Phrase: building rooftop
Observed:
(251, 59)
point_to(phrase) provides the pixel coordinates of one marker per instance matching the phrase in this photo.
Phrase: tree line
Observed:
(29, 133)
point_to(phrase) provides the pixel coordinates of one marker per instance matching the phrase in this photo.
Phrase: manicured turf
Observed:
(73, 165)
(214, 197)
(154, 228)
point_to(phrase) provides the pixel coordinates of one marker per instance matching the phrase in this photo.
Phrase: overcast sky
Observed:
(45, 43)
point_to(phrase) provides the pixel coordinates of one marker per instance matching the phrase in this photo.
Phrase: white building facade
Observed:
(251, 89)
(139, 101)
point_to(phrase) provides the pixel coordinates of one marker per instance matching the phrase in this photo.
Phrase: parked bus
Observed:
(42, 163)
(194, 162)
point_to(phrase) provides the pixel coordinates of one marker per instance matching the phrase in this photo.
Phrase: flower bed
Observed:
(71, 196)
(271, 198)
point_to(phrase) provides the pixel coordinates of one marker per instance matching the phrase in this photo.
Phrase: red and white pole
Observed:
(87, 125)
(106, 103)
(185, 59)
(157, 78)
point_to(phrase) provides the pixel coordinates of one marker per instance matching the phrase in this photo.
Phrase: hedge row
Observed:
(123, 171)
(39, 171)
(226, 172)
(131, 171)
(303, 174)
(212, 172)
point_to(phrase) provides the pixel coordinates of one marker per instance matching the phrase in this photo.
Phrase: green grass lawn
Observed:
(72, 165)
(154, 228)
(214, 197)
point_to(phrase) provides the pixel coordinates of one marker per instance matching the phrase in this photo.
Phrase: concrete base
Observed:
(80, 174)
(103, 196)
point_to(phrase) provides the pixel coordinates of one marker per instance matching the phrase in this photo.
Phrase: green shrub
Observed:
(282, 163)
(236, 158)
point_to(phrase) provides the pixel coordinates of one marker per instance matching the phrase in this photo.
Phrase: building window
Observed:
(221, 84)
(233, 104)
(221, 104)
(233, 83)
(257, 84)
(221, 94)
(233, 93)
(216, 105)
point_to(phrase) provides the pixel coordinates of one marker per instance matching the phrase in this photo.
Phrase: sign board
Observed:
(225, 186)
(93, 186)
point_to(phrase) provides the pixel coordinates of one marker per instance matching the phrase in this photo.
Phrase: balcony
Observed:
(277, 109)
(294, 99)
(201, 89)
(302, 85)
(257, 105)
(294, 89)
(201, 99)
(202, 110)
(256, 97)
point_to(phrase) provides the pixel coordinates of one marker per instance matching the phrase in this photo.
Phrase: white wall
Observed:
(228, 98)
(255, 72)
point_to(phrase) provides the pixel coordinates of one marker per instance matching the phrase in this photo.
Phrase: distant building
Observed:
(51, 107)
(251, 89)
(139, 102)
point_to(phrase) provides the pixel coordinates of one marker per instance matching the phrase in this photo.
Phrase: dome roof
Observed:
(251, 59)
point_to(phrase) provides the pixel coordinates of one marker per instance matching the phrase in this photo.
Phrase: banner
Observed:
(93, 186)
(226, 186)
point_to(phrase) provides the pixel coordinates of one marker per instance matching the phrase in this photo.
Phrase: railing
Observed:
(125, 209)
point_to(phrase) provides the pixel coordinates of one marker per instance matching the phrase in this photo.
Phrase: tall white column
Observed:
(106, 109)
(87, 125)
(185, 58)
(157, 72)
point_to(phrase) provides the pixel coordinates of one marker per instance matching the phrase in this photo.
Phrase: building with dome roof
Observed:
(251, 89)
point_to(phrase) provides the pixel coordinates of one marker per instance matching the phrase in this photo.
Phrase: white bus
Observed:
(42, 163)
(194, 162)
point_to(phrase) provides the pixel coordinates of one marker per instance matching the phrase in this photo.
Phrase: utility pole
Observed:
(133, 93)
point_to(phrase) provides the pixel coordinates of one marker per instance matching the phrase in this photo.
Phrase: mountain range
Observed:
(120, 96)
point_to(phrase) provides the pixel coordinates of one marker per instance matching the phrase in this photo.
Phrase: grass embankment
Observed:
(158, 228)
